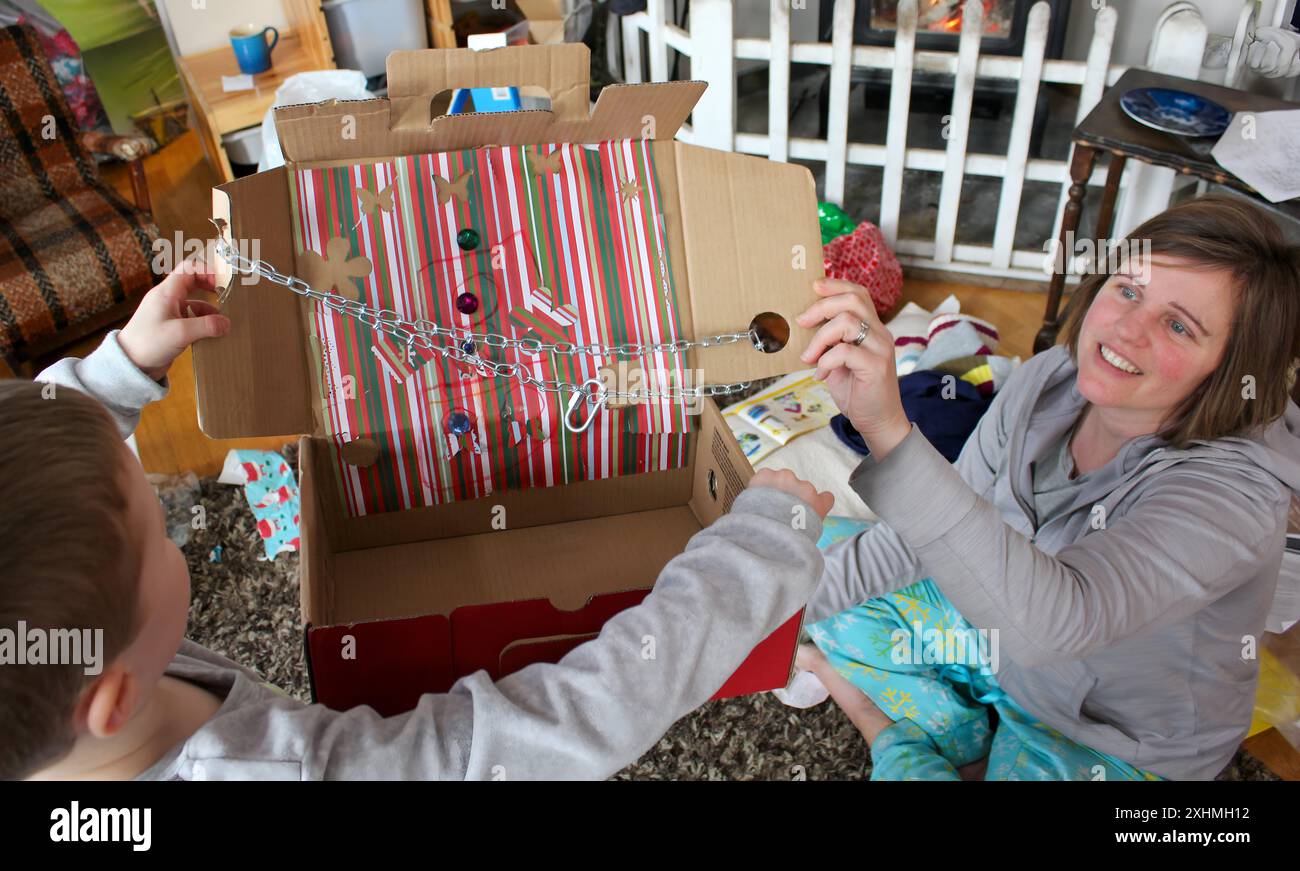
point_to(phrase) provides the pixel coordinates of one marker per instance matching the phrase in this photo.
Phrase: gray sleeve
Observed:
(878, 561)
(109, 376)
(982, 455)
(1171, 554)
(607, 701)
(871, 563)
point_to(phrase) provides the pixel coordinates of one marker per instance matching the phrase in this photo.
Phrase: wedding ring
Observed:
(862, 334)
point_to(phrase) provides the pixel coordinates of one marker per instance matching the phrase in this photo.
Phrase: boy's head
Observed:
(83, 546)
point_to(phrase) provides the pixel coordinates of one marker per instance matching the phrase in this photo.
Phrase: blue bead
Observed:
(459, 423)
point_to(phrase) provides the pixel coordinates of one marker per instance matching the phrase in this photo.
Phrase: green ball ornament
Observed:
(467, 239)
(834, 221)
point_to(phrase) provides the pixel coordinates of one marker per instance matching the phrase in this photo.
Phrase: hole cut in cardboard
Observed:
(770, 332)
(530, 98)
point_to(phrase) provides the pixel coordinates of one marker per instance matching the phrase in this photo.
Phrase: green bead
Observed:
(467, 239)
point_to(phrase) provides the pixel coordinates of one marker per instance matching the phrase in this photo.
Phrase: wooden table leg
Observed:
(140, 186)
(1106, 213)
(1080, 169)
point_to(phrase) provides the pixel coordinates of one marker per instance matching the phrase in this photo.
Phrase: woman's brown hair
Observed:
(1222, 232)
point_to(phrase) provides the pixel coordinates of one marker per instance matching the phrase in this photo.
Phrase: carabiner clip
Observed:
(593, 396)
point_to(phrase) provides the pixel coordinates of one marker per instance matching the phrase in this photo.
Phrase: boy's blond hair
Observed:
(67, 559)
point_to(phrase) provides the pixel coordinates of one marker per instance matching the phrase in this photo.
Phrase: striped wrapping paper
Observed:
(572, 248)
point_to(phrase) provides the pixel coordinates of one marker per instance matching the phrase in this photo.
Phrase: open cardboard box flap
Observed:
(546, 19)
(620, 531)
(743, 231)
(439, 590)
(420, 85)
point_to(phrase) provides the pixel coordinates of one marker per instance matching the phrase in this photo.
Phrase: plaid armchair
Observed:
(74, 256)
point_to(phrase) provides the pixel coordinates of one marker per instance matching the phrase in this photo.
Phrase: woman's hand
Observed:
(787, 482)
(861, 379)
(168, 321)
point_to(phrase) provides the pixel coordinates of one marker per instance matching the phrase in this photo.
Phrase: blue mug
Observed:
(251, 51)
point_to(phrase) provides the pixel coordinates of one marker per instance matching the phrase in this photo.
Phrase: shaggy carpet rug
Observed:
(246, 608)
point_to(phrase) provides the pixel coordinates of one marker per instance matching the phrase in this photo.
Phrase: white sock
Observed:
(805, 690)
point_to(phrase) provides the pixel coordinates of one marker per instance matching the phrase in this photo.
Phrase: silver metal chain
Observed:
(463, 348)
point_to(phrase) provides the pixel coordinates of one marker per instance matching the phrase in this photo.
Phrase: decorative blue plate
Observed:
(1175, 112)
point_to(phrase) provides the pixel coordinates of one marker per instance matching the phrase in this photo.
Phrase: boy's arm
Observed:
(599, 708)
(129, 368)
(870, 564)
(607, 702)
(109, 376)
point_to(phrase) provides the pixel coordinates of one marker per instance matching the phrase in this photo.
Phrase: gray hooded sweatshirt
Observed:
(587, 716)
(1126, 620)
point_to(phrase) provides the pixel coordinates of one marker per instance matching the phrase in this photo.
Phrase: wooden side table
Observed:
(1108, 129)
(220, 112)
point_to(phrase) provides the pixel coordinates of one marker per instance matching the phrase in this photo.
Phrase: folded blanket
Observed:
(924, 339)
(985, 371)
(944, 408)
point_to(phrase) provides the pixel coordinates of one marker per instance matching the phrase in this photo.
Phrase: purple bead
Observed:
(467, 303)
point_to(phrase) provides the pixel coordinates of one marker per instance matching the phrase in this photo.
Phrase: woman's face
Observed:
(1169, 324)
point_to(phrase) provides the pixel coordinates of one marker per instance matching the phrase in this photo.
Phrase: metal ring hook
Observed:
(592, 393)
(222, 245)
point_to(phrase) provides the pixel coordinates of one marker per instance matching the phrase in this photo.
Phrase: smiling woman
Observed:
(1174, 343)
(1120, 587)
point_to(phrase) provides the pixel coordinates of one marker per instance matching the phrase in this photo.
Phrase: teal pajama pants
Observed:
(940, 692)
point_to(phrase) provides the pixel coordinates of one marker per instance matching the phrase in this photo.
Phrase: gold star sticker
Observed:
(629, 189)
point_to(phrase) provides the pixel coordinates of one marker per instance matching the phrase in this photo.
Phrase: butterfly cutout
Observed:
(372, 202)
(336, 270)
(546, 162)
(563, 313)
(448, 189)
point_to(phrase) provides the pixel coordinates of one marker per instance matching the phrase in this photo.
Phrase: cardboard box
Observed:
(543, 23)
(431, 594)
(545, 20)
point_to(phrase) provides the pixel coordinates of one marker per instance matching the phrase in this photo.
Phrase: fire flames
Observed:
(945, 16)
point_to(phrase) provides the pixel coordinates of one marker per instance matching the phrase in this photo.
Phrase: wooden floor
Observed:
(170, 440)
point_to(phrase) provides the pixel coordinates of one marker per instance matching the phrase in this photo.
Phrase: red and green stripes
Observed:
(572, 248)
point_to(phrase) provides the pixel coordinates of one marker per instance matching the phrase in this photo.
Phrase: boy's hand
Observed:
(785, 480)
(168, 321)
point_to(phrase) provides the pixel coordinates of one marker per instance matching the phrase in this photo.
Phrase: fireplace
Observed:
(939, 24)
(939, 29)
